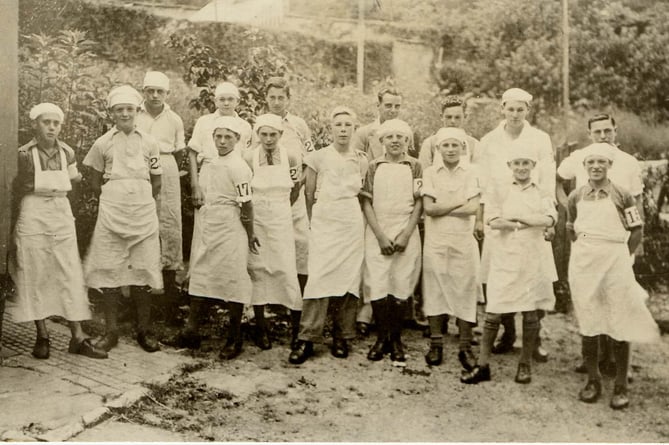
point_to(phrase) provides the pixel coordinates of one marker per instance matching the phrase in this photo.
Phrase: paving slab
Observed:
(58, 395)
(115, 431)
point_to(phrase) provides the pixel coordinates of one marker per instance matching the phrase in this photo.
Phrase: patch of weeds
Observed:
(306, 382)
(414, 372)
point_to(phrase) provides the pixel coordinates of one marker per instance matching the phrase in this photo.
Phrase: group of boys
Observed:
(456, 181)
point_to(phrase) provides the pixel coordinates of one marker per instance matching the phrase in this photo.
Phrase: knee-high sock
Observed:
(621, 351)
(590, 348)
(490, 328)
(530, 334)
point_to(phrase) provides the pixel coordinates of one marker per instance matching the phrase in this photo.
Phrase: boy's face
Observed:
(277, 100)
(450, 150)
(389, 108)
(453, 117)
(342, 128)
(155, 96)
(123, 116)
(394, 143)
(47, 127)
(225, 141)
(515, 112)
(521, 169)
(597, 167)
(269, 137)
(603, 131)
(226, 104)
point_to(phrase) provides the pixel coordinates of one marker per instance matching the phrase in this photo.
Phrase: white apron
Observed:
(521, 266)
(125, 248)
(607, 298)
(47, 272)
(451, 283)
(169, 214)
(395, 274)
(273, 272)
(336, 238)
(218, 266)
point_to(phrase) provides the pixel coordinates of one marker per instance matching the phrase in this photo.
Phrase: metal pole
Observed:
(565, 66)
(361, 45)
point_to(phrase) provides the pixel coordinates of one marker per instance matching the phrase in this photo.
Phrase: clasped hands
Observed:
(389, 247)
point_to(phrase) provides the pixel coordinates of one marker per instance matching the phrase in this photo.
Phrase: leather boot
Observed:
(295, 317)
(170, 304)
(381, 316)
(262, 335)
(396, 310)
(145, 338)
(111, 297)
(233, 344)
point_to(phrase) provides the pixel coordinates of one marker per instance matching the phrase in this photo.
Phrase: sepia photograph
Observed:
(334, 221)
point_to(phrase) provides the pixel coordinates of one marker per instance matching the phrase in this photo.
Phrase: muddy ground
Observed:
(261, 397)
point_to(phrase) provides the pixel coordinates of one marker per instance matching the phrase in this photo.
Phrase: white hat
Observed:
(522, 151)
(603, 149)
(394, 126)
(450, 133)
(226, 89)
(156, 79)
(268, 120)
(342, 110)
(45, 108)
(516, 94)
(125, 94)
(227, 122)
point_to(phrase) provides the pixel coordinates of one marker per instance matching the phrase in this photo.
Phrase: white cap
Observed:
(450, 133)
(268, 120)
(46, 108)
(342, 110)
(125, 94)
(603, 149)
(227, 122)
(394, 126)
(156, 79)
(522, 151)
(226, 89)
(516, 94)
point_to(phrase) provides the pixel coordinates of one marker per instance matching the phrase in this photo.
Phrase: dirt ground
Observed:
(261, 397)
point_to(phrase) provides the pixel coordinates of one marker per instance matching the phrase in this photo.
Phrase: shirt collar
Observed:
(382, 160)
(526, 186)
(33, 143)
(116, 131)
(165, 108)
(606, 189)
(438, 163)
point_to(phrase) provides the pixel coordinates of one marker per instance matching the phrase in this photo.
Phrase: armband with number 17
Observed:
(632, 217)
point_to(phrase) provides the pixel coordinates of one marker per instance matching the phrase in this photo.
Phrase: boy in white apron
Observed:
(607, 299)
(219, 263)
(296, 137)
(392, 206)
(275, 186)
(336, 241)
(521, 270)
(125, 248)
(451, 279)
(47, 269)
(160, 121)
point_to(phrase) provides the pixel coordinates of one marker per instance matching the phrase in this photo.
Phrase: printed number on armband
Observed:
(632, 217)
(243, 189)
(293, 173)
(417, 185)
(308, 146)
(153, 163)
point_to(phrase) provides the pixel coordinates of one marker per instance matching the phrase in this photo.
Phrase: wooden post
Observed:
(565, 67)
(9, 87)
(361, 45)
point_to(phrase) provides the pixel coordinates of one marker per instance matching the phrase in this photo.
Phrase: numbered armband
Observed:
(632, 217)
(154, 165)
(308, 146)
(294, 174)
(418, 187)
(243, 192)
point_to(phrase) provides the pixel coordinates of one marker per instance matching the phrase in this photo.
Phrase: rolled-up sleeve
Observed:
(94, 158)
(428, 188)
(367, 190)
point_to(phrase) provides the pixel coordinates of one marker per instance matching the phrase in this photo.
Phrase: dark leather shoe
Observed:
(435, 355)
(339, 348)
(540, 355)
(41, 348)
(476, 375)
(148, 342)
(85, 347)
(362, 329)
(524, 374)
(107, 342)
(377, 350)
(619, 400)
(467, 359)
(262, 340)
(188, 338)
(302, 351)
(503, 346)
(231, 350)
(397, 351)
(591, 392)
